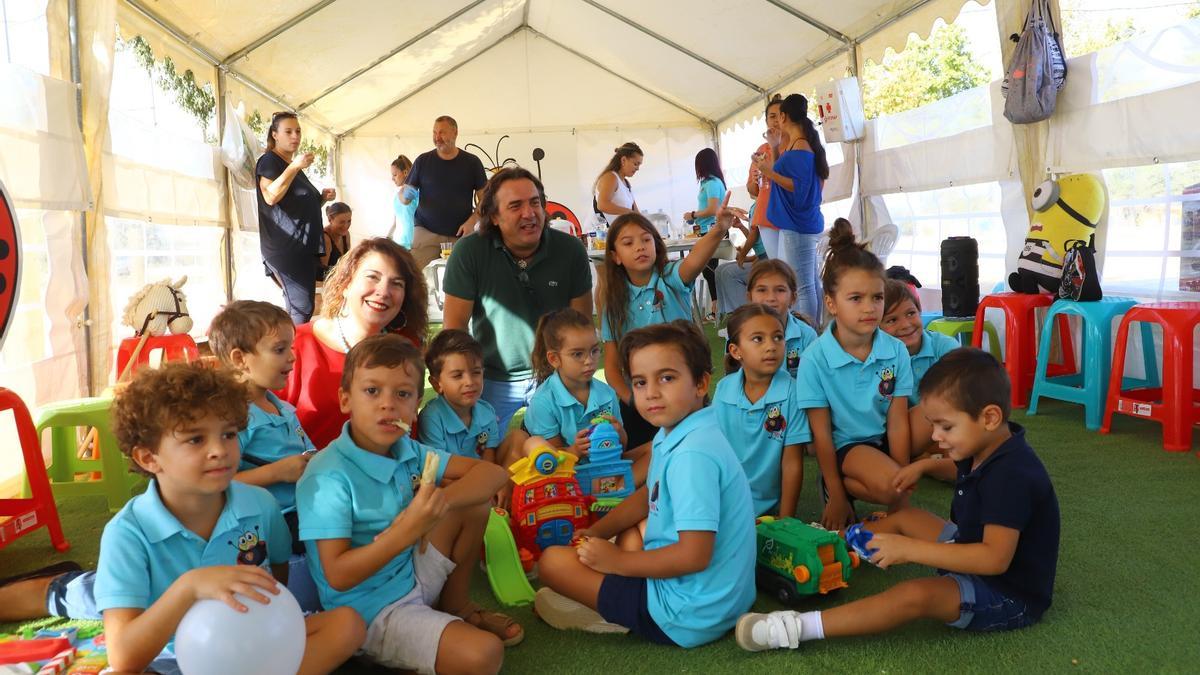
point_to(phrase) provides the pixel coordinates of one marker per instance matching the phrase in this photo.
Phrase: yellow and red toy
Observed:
(548, 505)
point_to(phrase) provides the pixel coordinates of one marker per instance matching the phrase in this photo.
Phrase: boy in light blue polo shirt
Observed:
(193, 534)
(254, 340)
(685, 583)
(388, 543)
(458, 420)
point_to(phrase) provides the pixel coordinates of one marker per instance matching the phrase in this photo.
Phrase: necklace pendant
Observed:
(523, 263)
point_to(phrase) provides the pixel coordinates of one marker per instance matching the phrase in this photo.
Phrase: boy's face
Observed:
(271, 361)
(663, 387)
(461, 380)
(199, 457)
(959, 435)
(377, 398)
(904, 323)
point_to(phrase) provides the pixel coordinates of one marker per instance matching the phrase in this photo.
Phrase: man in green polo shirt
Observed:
(506, 276)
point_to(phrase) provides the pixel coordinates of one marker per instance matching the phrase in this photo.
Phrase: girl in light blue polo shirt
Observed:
(854, 381)
(640, 288)
(565, 357)
(902, 320)
(756, 408)
(684, 581)
(773, 283)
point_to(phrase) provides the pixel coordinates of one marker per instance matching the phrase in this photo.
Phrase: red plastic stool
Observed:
(26, 515)
(173, 347)
(1176, 404)
(1020, 339)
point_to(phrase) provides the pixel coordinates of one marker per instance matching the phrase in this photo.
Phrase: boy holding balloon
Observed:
(195, 534)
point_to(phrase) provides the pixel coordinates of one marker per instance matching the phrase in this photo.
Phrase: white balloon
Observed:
(213, 639)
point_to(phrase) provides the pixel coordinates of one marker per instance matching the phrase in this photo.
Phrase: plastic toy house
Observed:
(606, 475)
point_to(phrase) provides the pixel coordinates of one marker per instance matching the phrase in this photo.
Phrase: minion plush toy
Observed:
(1065, 210)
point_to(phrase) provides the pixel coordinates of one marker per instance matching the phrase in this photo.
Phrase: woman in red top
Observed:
(374, 288)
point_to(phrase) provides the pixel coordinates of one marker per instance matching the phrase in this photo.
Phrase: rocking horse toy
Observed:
(154, 311)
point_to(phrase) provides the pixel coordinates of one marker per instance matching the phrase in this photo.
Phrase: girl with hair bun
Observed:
(854, 381)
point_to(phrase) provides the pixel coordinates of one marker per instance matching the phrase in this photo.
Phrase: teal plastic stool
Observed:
(1089, 386)
(957, 328)
(111, 477)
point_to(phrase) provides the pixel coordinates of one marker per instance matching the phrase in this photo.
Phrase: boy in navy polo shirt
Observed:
(996, 558)
(384, 540)
(194, 534)
(254, 339)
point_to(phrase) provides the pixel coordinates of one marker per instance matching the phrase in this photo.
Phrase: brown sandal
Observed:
(493, 622)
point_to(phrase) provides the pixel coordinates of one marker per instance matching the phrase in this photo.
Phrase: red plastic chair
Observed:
(1020, 339)
(173, 347)
(38, 510)
(1176, 404)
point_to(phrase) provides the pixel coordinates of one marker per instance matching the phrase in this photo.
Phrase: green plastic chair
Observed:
(957, 328)
(110, 472)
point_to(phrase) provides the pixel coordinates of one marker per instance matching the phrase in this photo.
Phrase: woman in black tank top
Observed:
(337, 235)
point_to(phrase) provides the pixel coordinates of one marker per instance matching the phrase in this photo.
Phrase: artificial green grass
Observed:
(1126, 595)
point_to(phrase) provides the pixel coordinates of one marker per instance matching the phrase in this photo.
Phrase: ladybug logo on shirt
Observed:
(887, 382)
(481, 443)
(252, 550)
(793, 358)
(659, 301)
(775, 422)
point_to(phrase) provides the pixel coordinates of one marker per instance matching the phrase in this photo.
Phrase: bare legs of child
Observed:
(475, 644)
(929, 598)
(867, 473)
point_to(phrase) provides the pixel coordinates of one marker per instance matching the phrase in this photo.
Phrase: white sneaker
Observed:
(564, 613)
(759, 632)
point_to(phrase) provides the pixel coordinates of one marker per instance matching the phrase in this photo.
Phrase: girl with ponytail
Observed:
(797, 176)
(854, 382)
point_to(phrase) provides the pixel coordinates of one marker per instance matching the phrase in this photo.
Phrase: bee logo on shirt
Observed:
(775, 422)
(887, 382)
(793, 358)
(252, 550)
(415, 479)
(659, 301)
(654, 498)
(481, 443)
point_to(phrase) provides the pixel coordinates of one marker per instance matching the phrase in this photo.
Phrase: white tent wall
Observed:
(573, 160)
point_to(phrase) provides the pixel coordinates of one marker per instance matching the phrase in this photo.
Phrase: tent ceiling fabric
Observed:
(348, 64)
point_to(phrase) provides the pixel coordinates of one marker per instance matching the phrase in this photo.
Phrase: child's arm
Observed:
(346, 567)
(631, 511)
(837, 511)
(286, 470)
(792, 477)
(474, 481)
(692, 553)
(612, 367)
(135, 636)
(989, 557)
(702, 252)
(907, 477)
(899, 440)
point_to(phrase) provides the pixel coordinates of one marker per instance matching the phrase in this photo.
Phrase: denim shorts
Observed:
(623, 601)
(983, 607)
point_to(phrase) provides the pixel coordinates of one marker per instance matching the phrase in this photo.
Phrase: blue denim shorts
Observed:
(623, 601)
(983, 607)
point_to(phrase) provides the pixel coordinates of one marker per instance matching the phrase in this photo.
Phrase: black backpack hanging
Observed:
(1080, 279)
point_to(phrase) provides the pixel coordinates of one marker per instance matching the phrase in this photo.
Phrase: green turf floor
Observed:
(1127, 597)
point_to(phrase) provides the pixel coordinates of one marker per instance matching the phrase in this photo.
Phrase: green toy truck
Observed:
(797, 560)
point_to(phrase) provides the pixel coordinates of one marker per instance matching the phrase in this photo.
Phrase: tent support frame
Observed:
(372, 117)
(77, 79)
(824, 28)
(276, 32)
(175, 32)
(594, 62)
(407, 43)
(674, 45)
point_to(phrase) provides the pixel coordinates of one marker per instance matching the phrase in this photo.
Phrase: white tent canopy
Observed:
(573, 77)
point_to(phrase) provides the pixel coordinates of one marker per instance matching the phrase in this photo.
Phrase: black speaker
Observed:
(960, 277)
